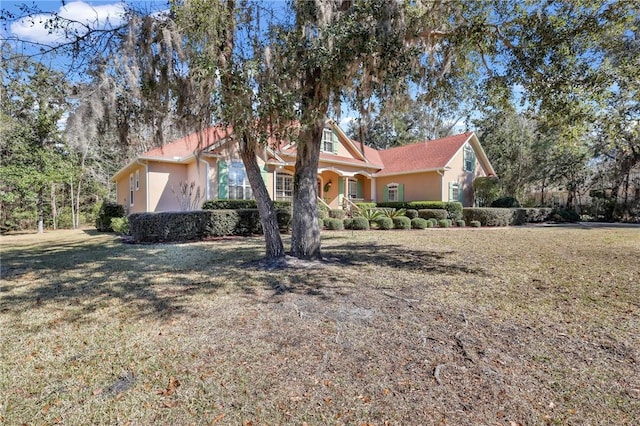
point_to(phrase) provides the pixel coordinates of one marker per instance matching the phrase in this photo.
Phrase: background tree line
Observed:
(550, 87)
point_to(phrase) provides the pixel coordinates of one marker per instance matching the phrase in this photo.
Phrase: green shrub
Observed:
(488, 216)
(323, 211)
(444, 223)
(565, 215)
(505, 202)
(460, 223)
(429, 222)
(421, 205)
(392, 204)
(411, 213)
(522, 216)
(360, 224)
(419, 223)
(364, 206)
(401, 222)
(334, 224)
(248, 222)
(181, 226)
(347, 222)
(320, 223)
(432, 214)
(198, 225)
(475, 224)
(454, 210)
(224, 204)
(384, 223)
(433, 221)
(370, 214)
(394, 213)
(284, 219)
(108, 210)
(120, 225)
(337, 214)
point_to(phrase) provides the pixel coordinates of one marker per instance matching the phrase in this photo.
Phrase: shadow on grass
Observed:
(152, 280)
(160, 280)
(326, 278)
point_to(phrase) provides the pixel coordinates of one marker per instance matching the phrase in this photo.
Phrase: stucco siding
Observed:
(425, 186)
(165, 181)
(457, 173)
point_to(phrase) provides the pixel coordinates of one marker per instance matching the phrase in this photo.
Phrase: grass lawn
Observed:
(508, 326)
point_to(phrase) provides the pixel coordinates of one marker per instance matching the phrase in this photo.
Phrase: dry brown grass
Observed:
(476, 326)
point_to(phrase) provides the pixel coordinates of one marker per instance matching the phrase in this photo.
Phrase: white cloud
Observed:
(39, 28)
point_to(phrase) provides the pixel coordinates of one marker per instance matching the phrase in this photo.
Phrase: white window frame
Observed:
(454, 193)
(131, 191)
(470, 157)
(352, 188)
(393, 194)
(327, 140)
(284, 186)
(247, 192)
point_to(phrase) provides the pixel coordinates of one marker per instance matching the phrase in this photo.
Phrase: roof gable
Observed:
(422, 156)
(191, 144)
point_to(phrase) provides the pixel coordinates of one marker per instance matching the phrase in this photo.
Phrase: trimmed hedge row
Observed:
(199, 224)
(222, 204)
(496, 216)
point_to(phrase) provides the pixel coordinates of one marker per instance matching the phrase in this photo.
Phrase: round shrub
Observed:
(348, 222)
(460, 223)
(385, 223)
(444, 223)
(334, 224)
(360, 224)
(337, 214)
(506, 202)
(120, 225)
(320, 223)
(454, 210)
(433, 214)
(411, 213)
(419, 223)
(108, 210)
(474, 224)
(401, 222)
(433, 222)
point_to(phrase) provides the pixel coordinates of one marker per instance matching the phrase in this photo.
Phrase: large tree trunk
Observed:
(305, 233)
(268, 214)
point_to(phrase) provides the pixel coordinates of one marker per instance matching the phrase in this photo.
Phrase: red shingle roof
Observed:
(190, 144)
(428, 155)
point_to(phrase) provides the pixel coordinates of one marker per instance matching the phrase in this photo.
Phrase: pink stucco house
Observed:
(436, 170)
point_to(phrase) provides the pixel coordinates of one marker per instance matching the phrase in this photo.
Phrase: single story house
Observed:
(206, 165)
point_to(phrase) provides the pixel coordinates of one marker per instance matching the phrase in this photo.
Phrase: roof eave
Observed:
(411, 172)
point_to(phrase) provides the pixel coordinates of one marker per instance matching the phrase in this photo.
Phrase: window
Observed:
(393, 192)
(137, 180)
(131, 189)
(454, 191)
(239, 188)
(328, 142)
(469, 159)
(284, 187)
(352, 188)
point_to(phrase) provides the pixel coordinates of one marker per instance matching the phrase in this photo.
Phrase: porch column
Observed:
(374, 192)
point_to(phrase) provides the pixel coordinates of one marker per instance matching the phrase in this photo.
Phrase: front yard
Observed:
(525, 325)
